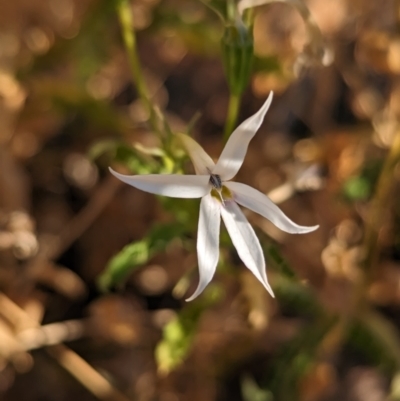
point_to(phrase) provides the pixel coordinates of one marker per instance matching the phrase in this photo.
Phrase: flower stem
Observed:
(231, 10)
(128, 33)
(233, 110)
(379, 206)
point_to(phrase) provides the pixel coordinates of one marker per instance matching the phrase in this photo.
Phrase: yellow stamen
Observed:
(222, 194)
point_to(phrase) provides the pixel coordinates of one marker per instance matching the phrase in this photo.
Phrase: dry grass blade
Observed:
(68, 359)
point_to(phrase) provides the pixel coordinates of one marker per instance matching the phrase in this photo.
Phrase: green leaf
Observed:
(186, 211)
(296, 358)
(84, 52)
(102, 147)
(275, 257)
(395, 388)
(252, 392)
(70, 98)
(357, 188)
(218, 6)
(178, 334)
(267, 64)
(237, 55)
(171, 351)
(137, 254)
(121, 265)
(296, 297)
(362, 186)
(132, 158)
(377, 339)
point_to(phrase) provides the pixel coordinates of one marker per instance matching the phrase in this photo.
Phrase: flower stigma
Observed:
(220, 192)
(216, 182)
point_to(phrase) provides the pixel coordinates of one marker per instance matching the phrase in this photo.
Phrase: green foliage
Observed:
(103, 147)
(85, 50)
(185, 211)
(171, 351)
(267, 64)
(115, 150)
(296, 358)
(361, 187)
(357, 188)
(72, 99)
(395, 388)
(374, 337)
(252, 392)
(138, 253)
(237, 55)
(279, 263)
(199, 37)
(218, 6)
(296, 297)
(179, 333)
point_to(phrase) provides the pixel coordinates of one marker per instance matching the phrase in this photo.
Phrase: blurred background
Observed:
(94, 273)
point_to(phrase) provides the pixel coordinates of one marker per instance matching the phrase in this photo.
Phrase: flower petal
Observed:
(203, 164)
(232, 156)
(261, 204)
(173, 185)
(245, 241)
(207, 241)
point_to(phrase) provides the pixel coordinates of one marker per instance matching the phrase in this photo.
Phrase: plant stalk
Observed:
(379, 206)
(233, 111)
(128, 34)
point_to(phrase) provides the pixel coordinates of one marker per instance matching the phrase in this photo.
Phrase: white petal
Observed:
(203, 164)
(245, 241)
(175, 186)
(207, 241)
(232, 156)
(261, 204)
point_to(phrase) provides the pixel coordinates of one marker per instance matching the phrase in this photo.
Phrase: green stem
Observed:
(379, 206)
(358, 307)
(233, 111)
(231, 10)
(376, 216)
(128, 33)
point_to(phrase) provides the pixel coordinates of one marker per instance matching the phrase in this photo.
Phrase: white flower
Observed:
(220, 197)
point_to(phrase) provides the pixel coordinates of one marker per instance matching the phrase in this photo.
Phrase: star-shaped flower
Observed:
(220, 198)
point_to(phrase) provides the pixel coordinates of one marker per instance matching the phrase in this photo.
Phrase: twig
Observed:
(52, 334)
(68, 359)
(83, 220)
(74, 229)
(85, 374)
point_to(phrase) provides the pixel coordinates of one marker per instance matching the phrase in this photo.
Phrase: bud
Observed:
(237, 55)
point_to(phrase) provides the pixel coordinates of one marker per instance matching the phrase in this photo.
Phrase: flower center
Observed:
(215, 180)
